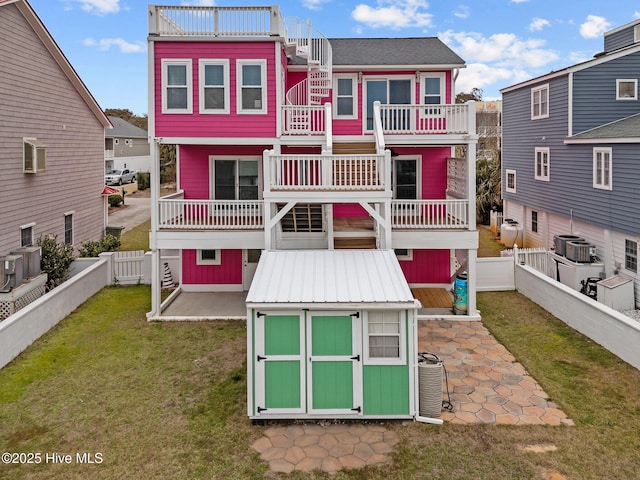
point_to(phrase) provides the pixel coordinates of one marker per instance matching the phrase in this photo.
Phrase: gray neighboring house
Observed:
(51, 139)
(571, 154)
(126, 146)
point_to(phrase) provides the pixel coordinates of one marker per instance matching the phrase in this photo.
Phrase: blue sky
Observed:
(502, 41)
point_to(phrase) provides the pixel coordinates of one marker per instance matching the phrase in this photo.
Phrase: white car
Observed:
(118, 177)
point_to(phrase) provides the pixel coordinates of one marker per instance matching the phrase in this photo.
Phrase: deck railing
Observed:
(427, 119)
(180, 214)
(325, 172)
(436, 214)
(215, 21)
(303, 120)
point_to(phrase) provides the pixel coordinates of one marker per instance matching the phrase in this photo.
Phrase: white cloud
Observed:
(462, 12)
(314, 4)
(505, 50)
(105, 44)
(594, 27)
(636, 14)
(479, 75)
(579, 57)
(394, 14)
(99, 7)
(538, 24)
(199, 3)
(519, 1)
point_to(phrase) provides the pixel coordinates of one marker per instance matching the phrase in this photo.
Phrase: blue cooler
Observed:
(460, 302)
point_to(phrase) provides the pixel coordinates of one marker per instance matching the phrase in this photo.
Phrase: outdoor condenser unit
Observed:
(579, 251)
(31, 257)
(13, 272)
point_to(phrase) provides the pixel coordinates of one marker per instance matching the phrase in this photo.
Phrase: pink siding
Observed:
(229, 272)
(218, 125)
(427, 266)
(195, 177)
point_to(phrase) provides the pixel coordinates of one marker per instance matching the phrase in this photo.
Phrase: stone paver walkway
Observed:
(329, 448)
(486, 384)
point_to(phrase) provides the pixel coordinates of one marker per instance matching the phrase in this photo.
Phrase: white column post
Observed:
(154, 180)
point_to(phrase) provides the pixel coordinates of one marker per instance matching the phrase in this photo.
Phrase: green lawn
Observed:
(167, 400)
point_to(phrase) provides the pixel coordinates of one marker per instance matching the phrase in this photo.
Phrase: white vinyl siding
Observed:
(177, 94)
(540, 102)
(602, 168)
(627, 89)
(251, 81)
(542, 164)
(214, 86)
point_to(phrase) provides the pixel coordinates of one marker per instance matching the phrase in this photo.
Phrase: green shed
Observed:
(331, 334)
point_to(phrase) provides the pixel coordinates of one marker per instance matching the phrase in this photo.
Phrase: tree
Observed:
(56, 260)
(129, 116)
(488, 187)
(475, 94)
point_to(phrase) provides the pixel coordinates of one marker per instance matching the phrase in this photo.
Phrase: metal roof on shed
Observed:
(321, 277)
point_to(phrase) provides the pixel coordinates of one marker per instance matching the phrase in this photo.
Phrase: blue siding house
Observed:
(571, 154)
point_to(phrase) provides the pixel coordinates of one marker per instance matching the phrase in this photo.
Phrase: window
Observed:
(511, 181)
(534, 221)
(602, 169)
(26, 235)
(176, 86)
(251, 86)
(542, 164)
(403, 253)
(34, 156)
(433, 93)
(235, 179)
(128, 141)
(540, 102)
(631, 255)
(384, 333)
(208, 257)
(345, 97)
(627, 89)
(214, 86)
(389, 92)
(68, 228)
(405, 179)
(116, 141)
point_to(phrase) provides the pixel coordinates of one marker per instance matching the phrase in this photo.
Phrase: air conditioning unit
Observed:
(31, 258)
(560, 242)
(13, 272)
(580, 251)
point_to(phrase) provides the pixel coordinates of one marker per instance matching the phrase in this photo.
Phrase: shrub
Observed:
(143, 180)
(92, 249)
(56, 260)
(115, 200)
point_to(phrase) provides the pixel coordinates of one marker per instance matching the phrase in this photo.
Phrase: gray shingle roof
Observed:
(122, 128)
(390, 51)
(628, 127)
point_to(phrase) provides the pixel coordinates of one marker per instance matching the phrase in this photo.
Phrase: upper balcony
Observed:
(192, 21)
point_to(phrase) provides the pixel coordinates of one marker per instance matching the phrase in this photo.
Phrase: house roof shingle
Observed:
(122, 128)
(628, 127)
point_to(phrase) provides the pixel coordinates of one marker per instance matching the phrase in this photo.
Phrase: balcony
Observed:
(322, 173)
(176, 213)
(427, 119)
(430, 214)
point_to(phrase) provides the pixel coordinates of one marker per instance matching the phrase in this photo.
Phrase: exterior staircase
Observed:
(304, 217)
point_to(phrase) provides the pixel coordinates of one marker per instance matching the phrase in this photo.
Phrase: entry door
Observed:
(279, 367)
(389, 92)
(334, 365)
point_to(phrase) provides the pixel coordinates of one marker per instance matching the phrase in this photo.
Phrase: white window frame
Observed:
(394, 182)
(354, 96)
(186, 62)
(620, 81)
(225, 86)
(407, 256)
(263, 85)
(432, 112)
(402, 358)
(212, 169)
(604, 184)
(628, 256)
(69, 215)
(544, 176)
(38, 156)
(539, 90)
(387, 79)
(636, 34)
(208, 261)
(25, 227)
(116, 141)
(506, 179)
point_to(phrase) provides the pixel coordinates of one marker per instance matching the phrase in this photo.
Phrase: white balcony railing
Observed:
(427, 119)
(180, 214)
(326, 172)
(303, 119)
(215, 21)
(430, 214)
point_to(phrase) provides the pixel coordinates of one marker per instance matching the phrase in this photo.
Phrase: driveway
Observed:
(136, 212)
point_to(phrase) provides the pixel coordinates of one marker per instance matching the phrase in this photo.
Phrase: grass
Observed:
(488, 246)
(167, 400)
(136, 238)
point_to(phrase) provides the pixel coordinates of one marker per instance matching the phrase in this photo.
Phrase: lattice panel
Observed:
(6, 309)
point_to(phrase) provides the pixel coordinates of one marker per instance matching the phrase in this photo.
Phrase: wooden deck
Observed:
(433, 297)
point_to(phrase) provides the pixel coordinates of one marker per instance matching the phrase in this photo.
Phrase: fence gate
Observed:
(128, 267)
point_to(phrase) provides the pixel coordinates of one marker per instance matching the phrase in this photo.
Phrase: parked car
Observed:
(118, 177)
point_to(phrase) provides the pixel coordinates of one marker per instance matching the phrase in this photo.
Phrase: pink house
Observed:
(288, 140)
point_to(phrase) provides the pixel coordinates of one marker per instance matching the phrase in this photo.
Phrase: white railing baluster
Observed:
(178, 213)
(441, 214)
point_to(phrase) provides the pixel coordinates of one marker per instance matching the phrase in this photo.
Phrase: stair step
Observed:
(364, 243)
(354, 147)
